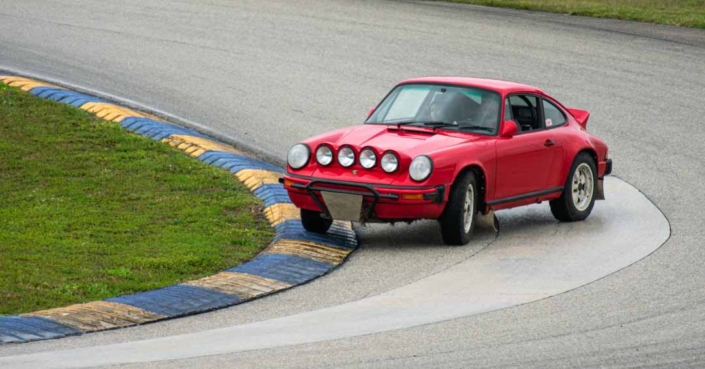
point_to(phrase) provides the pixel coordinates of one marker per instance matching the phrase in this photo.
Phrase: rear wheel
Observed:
(313, 221)
(458, 218)
(578, 195)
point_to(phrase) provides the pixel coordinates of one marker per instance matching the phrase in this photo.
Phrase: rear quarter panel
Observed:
(575, 140)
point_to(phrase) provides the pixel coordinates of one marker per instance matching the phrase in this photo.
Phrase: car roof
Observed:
(504, 87)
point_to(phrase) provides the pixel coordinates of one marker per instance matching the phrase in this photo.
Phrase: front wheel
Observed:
(578, 195)
(458, 218)
(313, 221)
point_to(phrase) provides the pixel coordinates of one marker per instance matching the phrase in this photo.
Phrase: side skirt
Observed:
(530, 195)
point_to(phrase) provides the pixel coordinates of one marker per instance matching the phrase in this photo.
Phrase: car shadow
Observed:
(537, 220)
(417, 235)
(524, 222)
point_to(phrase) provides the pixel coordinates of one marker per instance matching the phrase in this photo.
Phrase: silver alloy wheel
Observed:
(583, 188)
(469, 208)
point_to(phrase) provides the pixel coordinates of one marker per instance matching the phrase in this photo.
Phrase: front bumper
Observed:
(380, 202)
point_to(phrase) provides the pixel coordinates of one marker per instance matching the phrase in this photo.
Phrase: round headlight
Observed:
(346, 156)
(324, 155)
(420, 168)
(298, 156)
(390, 162)
(368, 159)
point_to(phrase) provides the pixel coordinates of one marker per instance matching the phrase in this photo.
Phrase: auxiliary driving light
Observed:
(390, 162)
(324, 155)
(346, 156)
(368, 159)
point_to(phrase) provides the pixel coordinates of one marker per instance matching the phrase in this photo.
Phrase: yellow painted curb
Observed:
(309, 250)
(279, 213)
(240, 284)
(98, 315)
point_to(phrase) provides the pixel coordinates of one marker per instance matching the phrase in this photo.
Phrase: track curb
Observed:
(292, 258)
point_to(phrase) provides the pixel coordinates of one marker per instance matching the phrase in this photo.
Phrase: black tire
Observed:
(313, 221)
(453, 218)
(564, 208)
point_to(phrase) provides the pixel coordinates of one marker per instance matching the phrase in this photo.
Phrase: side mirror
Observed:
(509, 129)
(372, 111)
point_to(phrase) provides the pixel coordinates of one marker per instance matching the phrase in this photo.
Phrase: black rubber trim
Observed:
(437, 196)
(372, 191)
(310, 188)
(346, 183)
(525, 196)
(369, 191)
(608, 168)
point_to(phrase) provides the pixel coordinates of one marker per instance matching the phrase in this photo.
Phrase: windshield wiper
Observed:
(427, 123)
(481, 128)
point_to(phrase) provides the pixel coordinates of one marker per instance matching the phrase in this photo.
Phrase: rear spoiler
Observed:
(581, 116)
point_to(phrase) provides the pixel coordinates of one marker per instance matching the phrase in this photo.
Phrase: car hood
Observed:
(407, 143)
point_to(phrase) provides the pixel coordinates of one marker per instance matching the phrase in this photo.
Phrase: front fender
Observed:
(482, 157)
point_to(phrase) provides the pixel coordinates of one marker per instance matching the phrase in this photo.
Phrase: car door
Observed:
(525, 161)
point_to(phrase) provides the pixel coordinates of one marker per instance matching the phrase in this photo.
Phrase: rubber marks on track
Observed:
(294, 256)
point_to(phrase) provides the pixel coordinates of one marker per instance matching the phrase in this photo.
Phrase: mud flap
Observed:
(487, 221)
(343, 206)
(600, 190)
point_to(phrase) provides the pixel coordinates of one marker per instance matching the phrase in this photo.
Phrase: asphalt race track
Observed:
(268, 74)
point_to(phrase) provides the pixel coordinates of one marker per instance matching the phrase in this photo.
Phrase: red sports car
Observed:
(450, 148)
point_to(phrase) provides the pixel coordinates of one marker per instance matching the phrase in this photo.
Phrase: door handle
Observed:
(549, 143)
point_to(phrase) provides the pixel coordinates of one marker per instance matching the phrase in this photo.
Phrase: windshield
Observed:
(444, 107)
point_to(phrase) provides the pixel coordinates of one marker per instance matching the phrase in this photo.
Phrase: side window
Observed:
(507, 110)
(553, 116)
(525, 112)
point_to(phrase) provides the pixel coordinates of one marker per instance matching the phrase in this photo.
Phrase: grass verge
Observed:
(89, 211)
(685, 13)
